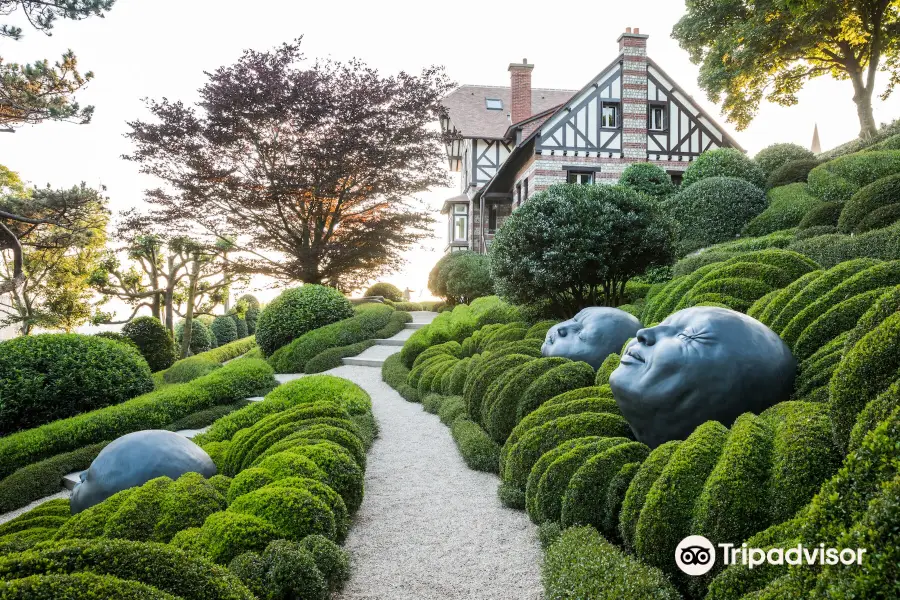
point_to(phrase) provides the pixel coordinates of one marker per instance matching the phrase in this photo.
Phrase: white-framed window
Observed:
(493, 103)
(609, 115)
(656, 118)
(580, 177)
(460, 223)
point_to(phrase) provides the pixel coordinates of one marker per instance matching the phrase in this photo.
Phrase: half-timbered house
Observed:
(510, 142)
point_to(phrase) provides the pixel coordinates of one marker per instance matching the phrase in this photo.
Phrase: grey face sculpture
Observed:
(591, 335)
(700, 364)
(135, 459)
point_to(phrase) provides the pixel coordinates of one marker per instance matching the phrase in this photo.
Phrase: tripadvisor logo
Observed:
(696, 555)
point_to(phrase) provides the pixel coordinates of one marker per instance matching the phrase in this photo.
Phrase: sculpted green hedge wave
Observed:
(840, 178)
(235, 381)
(774, 156)
(296, 311)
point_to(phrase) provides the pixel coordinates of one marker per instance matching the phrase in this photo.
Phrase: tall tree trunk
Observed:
(156, 304)
(189, 314)
(170, 297)
(862, 97)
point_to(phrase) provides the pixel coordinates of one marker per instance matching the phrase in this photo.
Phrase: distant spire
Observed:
(816, 147)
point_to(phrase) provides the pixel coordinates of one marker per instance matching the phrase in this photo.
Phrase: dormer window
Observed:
(493, 103)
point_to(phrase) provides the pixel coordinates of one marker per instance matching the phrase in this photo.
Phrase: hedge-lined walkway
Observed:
(430, 527)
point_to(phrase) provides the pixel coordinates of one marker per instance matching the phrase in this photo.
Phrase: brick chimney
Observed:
(520, 82)
(633, 45)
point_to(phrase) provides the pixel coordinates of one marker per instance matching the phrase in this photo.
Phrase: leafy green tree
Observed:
(310, 170)
(754, 49)
(41, 91)
(460, 277)
(577, 246)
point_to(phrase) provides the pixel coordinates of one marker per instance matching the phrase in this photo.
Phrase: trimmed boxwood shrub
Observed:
(556, 381)
(539, 330)
(240, 324)
(782, 297)
(734, 502)
(202, 339)
(609, 364)
(333, 357)
(502, 404)
(615, 497)
(648, 179)
(227, 534)
(225, 330)
(839, 179)
(532, 445)
(483, 375)
(815, 289)
(636, 495)
(866, 371)
(581, 564)
(332, 562)
(478, 450)
(451, 408)
(878, 276)
(296, 311)
(550, 475)
(583, 502)
(160, 566)
(724, 162)
(664, 303)
(189, 369)
(79, 585)
(831, 249)
(387, 290)
(803, 456)
(881, 193)
(668, 510)
(825, 214)
(135, 518)
(774, 156)
(713, 210)
(879, 218)
(838, 319)
(187, 502)
(53, 376)
(156, 410)
(795, 171)
(33, 482)
(326, 494)
(395, 374)
(295, 513)
(787, 207)
(365, 325)
(451, 348)
(153, 341)
(742, 288)
(284, 570)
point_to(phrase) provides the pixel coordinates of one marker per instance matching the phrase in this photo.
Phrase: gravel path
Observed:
(429, 526)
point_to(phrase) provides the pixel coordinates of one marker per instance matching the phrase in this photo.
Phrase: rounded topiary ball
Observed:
(724, 162)
(225, 329)
(153, 341)
(241, 325)
(296, 311)
(776, 155)
(648, 179)
(389, 291)
(713, 210)
(54, 376)
(201, 337)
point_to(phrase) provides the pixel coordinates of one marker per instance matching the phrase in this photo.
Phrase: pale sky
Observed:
(161, 48)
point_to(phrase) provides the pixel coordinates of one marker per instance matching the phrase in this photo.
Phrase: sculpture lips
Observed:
(632, 353)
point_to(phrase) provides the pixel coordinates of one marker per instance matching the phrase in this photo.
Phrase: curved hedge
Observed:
(480, 379)
(501, 405)
(664, 303)
(157, 565)
(795, 171)
(79, 585)
(839, 179)
(886, 305)
(668, 510)
(581, 564)
(724, 162)
(875, 277)
(838, 319)
(556, 381)
(294, 512)
(478, 450)
(784, 296)
(650, 470)
(803, 456)
(365, 324)
(866, 371)
(235, 381)
(153, 341)
(774, 156)
(879, 194)
(583, 500)
(831, 249)
(713, 210)
(532, 445)
(815, 289)
(296, 311)
(787, 207)
(879, 218)
(54, 376)
(227, 534)
(825, 214)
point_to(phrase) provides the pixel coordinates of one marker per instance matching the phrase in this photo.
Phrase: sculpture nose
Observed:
(646, 337)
